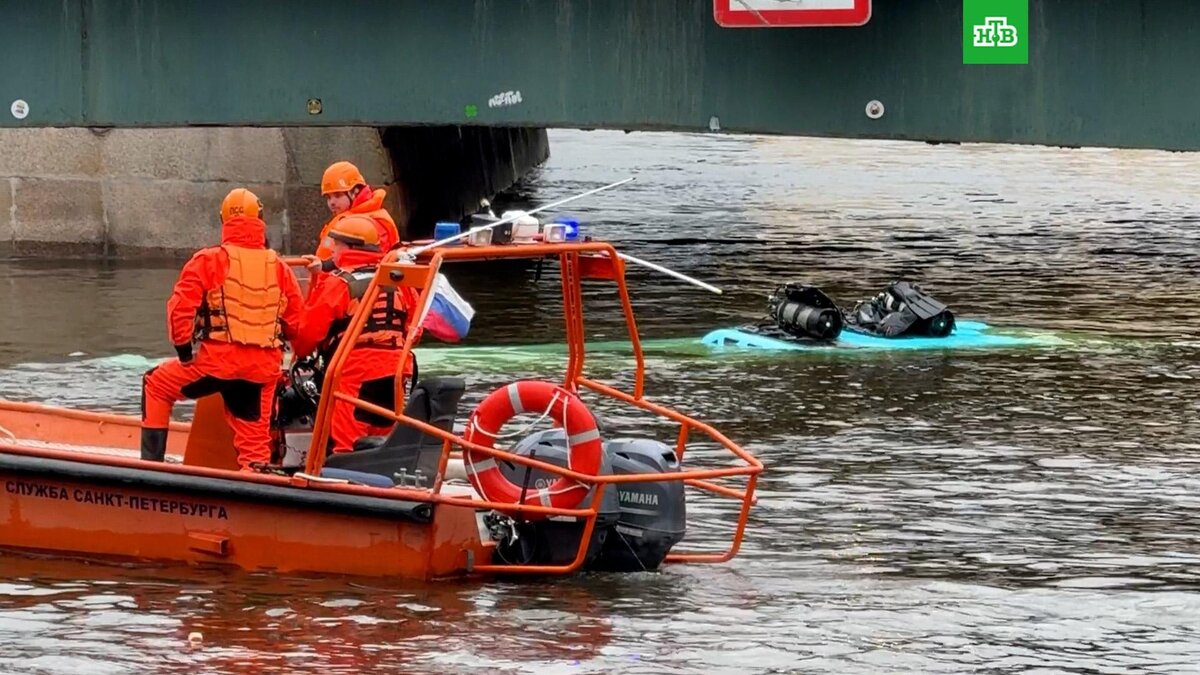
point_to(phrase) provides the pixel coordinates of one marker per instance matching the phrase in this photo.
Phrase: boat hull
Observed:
(148, 515)
(107, 503)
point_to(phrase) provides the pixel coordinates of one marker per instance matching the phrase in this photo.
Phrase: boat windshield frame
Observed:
(578, 261)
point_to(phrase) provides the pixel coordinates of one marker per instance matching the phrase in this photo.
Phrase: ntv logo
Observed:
(995, 31)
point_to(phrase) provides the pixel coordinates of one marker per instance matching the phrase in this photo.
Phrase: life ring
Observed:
(533, 396)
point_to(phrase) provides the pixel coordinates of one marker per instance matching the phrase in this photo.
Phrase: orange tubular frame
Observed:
(421, 274)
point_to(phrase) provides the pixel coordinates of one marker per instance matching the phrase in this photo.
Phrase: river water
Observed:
(1020, 510)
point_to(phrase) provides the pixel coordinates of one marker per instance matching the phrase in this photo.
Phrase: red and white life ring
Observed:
(533, 396)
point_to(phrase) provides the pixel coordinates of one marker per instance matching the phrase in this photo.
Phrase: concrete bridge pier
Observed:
(141, 193)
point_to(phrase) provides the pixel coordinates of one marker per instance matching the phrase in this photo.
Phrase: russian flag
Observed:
(448, 316)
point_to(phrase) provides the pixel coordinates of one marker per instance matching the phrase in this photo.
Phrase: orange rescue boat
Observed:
(424, 502)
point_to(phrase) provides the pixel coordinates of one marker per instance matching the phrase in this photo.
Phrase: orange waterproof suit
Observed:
(369, 372)
(368, 203)
(239, 300)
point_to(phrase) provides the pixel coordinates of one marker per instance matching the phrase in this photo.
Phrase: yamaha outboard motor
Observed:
(637, 525)
(804, 311)
(653, 514)
(551, 541)
(902, 310)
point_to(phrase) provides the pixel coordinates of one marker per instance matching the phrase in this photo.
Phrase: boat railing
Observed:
(578, 261)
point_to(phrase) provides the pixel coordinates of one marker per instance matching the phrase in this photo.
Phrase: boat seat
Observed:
(408, 450)
(362, 478)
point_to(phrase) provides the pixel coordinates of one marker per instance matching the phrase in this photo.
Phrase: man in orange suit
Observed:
(346, 193)
(369, 371)
(239, 301)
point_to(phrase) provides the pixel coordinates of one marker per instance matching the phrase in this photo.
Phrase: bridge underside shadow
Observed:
(1114, 73)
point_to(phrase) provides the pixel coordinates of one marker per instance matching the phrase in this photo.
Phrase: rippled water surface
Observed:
(1020, 510)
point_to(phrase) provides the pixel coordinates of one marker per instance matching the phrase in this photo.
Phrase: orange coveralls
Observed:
(369, 372)
(240, 300)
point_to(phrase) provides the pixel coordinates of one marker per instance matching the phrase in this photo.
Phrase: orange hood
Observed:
(244, 231)
(367, 201)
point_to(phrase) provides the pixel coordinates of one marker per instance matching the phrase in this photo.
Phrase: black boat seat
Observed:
(359, 477)
(408, 450)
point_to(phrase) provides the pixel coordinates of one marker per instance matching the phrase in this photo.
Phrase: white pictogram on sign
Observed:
(995, 31)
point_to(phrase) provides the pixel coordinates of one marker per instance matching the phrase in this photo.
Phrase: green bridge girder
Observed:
(1120, 73)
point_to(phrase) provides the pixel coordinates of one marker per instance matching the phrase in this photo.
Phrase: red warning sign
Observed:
(790, 13)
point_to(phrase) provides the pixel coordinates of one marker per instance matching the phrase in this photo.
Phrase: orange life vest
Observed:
(371, 207)
(248, 305)
(386, 323)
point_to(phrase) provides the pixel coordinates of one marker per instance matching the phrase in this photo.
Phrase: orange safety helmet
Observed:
(241, 202)
(341, 177)
(356, 231)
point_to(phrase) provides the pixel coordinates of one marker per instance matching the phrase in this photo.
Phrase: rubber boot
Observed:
(154, 444)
